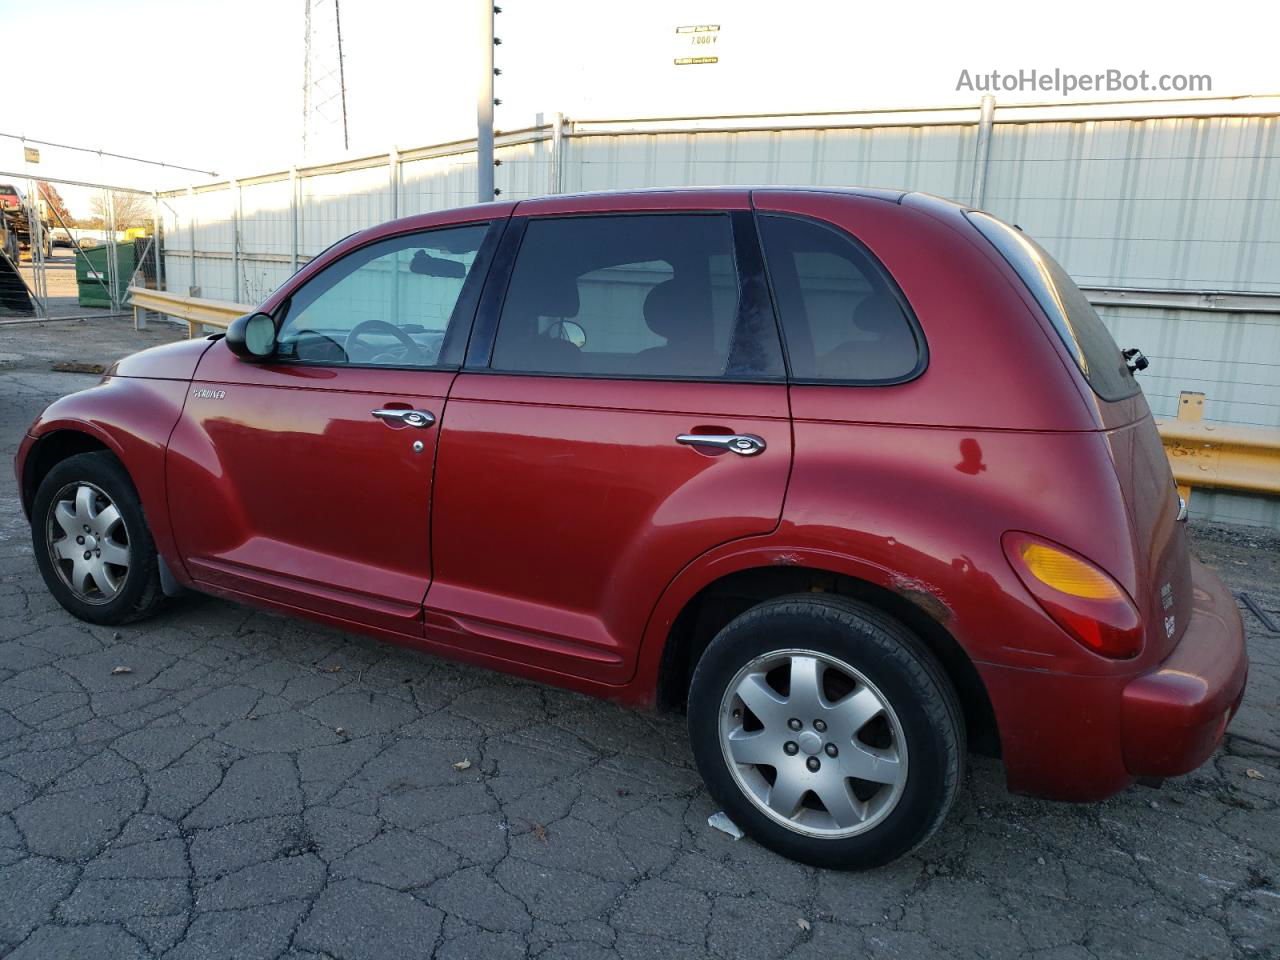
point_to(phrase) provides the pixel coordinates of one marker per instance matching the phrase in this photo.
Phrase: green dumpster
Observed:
(92, 278)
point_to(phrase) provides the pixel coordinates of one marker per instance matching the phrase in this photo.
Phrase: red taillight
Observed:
(1077, 595)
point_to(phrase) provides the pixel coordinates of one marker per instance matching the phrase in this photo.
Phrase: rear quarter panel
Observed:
(990, 365)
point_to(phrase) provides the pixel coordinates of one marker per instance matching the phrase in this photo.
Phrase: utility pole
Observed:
(485, 103)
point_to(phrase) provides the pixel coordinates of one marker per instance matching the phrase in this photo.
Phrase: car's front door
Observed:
(306, 480)
(633, 415)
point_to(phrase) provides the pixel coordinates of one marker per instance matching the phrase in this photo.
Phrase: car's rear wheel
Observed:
(91, 541)
(827, 731)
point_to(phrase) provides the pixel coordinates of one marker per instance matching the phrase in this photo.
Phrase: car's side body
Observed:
(563, 535)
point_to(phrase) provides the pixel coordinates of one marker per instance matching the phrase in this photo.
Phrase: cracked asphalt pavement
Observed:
(252, 786)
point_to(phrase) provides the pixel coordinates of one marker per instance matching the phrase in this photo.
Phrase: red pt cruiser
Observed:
(858, 476)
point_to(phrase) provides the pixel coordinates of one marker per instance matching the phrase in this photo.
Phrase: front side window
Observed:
(841, 316)
(1068, 309)
(387, 304)
(632, 295)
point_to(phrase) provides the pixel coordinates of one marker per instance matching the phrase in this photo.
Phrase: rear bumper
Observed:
(1085, 738)
(1174, 717)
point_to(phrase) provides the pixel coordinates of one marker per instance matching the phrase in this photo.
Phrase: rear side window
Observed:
(1070, 312)
(842, 317)
(632, 295)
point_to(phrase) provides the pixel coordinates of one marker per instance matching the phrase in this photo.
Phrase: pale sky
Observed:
(217, 84)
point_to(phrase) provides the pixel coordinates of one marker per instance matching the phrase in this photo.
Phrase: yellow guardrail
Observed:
(1219, 455)
(195, 311)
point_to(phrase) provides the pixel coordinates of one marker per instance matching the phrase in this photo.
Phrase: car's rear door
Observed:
(623, 409)
(306, 480)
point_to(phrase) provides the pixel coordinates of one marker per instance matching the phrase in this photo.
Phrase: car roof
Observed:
(604, 201)
(879, 193)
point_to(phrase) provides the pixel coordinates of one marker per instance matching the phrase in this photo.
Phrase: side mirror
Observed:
(252, 337)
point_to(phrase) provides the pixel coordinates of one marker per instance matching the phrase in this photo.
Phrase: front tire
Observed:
(827, 731)
(91, 541)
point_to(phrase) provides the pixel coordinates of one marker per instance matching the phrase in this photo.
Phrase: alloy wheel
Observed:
(813, 743)
(88, 542)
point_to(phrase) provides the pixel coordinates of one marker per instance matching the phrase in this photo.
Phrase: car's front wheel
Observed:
(827, 731)
(91, 541)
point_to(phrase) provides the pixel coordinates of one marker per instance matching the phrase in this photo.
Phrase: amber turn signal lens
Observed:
(1068, 574)
(1080, 597)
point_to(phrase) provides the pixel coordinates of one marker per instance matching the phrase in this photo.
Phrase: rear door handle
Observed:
(410, 418)
(743, 444)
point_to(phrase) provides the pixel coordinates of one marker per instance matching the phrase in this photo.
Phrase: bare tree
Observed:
(130, 209)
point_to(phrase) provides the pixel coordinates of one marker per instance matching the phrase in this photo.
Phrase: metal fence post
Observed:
(155, 237)
(193, 290)
(236, 211)
(35, 237)
(140, 315)
(293, 214)
(113, 271)
(556, 184)
(982, 153)
(393, 169)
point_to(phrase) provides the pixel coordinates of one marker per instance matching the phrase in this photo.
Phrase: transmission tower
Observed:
(324, 84)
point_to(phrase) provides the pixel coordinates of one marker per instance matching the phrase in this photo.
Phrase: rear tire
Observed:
(92, 543)
(827, 731)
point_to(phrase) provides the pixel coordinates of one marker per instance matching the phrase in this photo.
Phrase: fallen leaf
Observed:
(336, 668)
(539, 831)
(462, 765)
(1253, 774)
(118, 670)
(803, 924)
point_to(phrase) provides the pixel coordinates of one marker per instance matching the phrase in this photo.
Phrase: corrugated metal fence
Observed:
(1167, 212)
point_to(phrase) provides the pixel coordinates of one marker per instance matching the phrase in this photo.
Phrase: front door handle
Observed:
(410, 418)
(743, 444)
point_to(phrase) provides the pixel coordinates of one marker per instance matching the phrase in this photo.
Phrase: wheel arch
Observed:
(54, 446)
(719, 601)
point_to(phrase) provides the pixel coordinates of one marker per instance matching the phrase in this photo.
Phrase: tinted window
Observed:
(1071, 314)
(842, 319)
(626, 295)
(389, 303)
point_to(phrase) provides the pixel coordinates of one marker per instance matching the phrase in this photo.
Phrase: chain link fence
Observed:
(70, 248)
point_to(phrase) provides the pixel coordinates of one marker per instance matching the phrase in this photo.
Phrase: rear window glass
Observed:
(1070, 312)
(843, 320)
(652, 295)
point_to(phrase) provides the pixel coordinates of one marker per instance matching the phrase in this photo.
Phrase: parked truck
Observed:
(17, 216)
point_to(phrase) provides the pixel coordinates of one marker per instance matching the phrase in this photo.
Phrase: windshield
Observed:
(1070, 312)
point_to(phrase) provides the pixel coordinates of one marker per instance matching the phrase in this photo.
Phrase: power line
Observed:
(108, 153)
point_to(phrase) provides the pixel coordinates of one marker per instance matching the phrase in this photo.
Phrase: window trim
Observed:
(493, 300)
(454, 342)
(1066, 338)
(891, 284)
